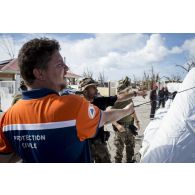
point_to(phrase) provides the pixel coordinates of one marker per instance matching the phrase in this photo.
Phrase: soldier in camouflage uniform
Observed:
(125, 130)
(98, 144)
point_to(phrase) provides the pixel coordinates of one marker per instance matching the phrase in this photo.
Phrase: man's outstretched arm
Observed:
(113, 115)
(126, 95)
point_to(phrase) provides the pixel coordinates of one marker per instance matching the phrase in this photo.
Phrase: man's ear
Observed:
(39, 74)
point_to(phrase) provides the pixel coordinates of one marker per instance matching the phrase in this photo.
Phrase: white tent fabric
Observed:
(172, 87)
(170, 137)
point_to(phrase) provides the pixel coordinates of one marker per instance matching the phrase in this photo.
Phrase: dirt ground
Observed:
(143, 113)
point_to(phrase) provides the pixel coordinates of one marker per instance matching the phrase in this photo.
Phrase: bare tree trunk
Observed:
(88, 73)
(188, 65)
(8, 46)
(101, 79)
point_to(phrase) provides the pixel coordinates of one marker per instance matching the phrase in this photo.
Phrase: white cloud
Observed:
(189, 46)
(115, 51)
(112, 53)
(176, 50)
(154, 50)
(117, 54)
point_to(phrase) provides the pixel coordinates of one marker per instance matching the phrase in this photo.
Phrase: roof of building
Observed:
(12, 66)
(72, 75)
(4, 63)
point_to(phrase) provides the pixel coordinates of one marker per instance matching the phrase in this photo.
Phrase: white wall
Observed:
(7, 92)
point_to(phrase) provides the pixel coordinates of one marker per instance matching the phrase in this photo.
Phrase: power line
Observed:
(170, 98)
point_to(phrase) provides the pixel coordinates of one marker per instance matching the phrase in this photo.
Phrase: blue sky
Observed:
(117, 55)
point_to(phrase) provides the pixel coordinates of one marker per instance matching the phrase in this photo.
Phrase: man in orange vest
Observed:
(44, 126)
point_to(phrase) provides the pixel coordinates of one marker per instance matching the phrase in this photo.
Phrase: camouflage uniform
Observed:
(99, 152)
(124, 138)
(98, 144)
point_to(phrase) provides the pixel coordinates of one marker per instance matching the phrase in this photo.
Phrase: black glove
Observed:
(133, 129)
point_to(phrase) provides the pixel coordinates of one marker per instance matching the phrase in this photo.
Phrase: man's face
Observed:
(91, 91)
(55, 72)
